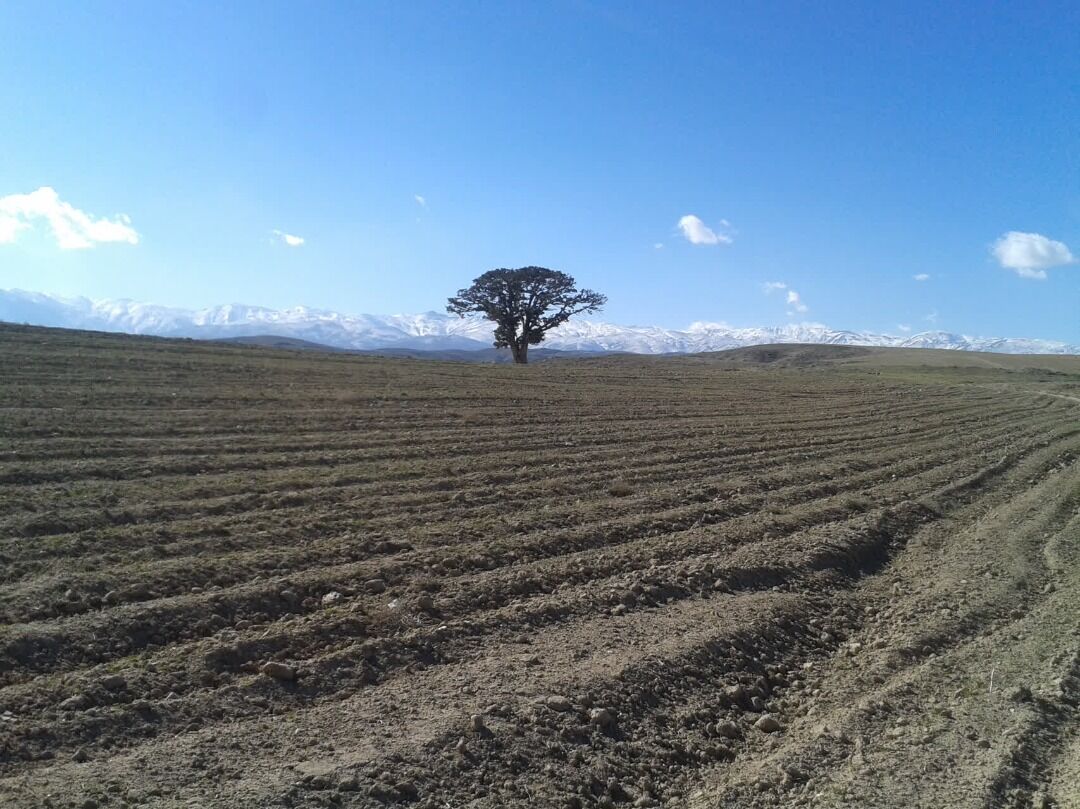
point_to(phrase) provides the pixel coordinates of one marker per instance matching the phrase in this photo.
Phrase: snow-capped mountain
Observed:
(432, 330)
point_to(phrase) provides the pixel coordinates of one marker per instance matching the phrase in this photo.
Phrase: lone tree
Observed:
(524, 304)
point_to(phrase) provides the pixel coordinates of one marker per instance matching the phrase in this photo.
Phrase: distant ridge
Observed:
(432, 331)
(487, 354)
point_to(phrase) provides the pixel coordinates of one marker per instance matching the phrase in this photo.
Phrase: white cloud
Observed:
(932, 317)
(697, 232)
(658, 246)
(792, 298)
(903, 327)
(1030, 255)
(10, 227)
(420, 200)
(73, 229)
(289, 239)
(923, 276)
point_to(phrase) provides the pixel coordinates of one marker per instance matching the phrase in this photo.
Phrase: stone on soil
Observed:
(278, 671)
(729, 730)
(114, 682)
(558, 703)
(601, 717)
(767, 724)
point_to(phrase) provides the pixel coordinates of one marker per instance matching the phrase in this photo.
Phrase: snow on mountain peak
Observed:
(434, 330)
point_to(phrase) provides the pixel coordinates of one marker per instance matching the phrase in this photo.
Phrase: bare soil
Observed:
(244, 577)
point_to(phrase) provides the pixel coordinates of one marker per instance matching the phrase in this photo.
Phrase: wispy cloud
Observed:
(795, 302)
(420, 200)
(932, 317)
(289, 239)
(792, 298)
(923, 276)
(1030, 255)
(697, 232)
(658, 246)
(904, 327)
(73, 229)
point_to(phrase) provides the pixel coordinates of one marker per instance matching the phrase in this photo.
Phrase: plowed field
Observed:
(705, 581)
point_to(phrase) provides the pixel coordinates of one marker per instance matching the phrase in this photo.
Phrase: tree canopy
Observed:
(524, 304)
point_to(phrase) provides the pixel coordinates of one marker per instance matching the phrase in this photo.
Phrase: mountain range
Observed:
(436, 331)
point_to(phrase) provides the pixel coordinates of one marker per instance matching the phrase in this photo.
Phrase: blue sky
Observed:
(841, 149)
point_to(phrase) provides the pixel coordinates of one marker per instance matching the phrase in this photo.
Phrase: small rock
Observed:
(80, 755)
(375, 585)
(601, 717)
(76, 703)
(407, 789)
(114, 682)
(425, 602)
(790, 774)
(476, 723)
(729, 730)
(332, 598)
(620, 489)
(557, 703)
(350, 784)
(1019, 693)
(618, 609)
(278, 671)
(767, 724)
(111, 597)
(1040, 800)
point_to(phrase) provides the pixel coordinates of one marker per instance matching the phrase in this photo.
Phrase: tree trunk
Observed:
(520, 352)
